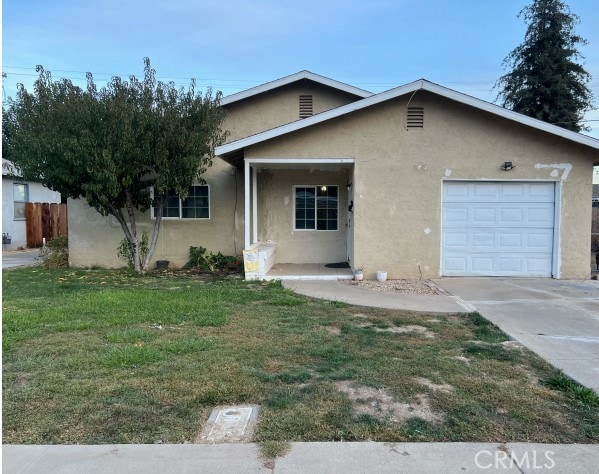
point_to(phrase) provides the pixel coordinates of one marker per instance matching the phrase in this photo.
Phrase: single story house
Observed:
(419, 181)
(15, 194)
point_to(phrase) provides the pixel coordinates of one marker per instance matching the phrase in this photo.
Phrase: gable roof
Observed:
(294, 78)
(421, 84)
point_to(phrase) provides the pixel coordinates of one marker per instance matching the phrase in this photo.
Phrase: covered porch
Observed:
(298, 218)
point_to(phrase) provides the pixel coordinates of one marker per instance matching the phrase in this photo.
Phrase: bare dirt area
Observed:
(409, 287)
(379, 404)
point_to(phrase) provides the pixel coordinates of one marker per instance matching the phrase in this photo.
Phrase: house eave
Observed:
(291, 79)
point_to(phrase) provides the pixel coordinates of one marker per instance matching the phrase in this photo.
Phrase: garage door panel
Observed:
(455, 265)
(544, 192)
(543, 215)
(499, 192)
(455, 216)
(498, 214)
(509, 235)
(482, 240)
(511, 215)
(499, 240)
(540, 239)
(511, 264)
(491, 265)
(487, 192)
(481, 263)
(510, 241)
(482, 215)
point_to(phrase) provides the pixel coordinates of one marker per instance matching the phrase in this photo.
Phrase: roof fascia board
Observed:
(421, 84)
(294, 78)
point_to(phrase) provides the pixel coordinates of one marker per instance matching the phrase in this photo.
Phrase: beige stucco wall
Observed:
(278, 107)
(398, 177)
(276, 217)
(93, 239)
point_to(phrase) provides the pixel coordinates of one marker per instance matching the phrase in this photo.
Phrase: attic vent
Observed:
(305, 106)
(415, 117)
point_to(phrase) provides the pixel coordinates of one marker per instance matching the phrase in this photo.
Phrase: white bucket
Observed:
(381, 276)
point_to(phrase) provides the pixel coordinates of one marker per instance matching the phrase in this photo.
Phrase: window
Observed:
(195, 206)
(316, 207)
(20, 192)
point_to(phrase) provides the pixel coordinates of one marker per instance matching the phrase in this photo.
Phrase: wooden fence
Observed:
(44, 221)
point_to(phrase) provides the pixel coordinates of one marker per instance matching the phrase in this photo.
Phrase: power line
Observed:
(239, 84)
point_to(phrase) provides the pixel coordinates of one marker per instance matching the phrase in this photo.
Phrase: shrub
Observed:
(125, 250)
(56, 253)
(199, 258)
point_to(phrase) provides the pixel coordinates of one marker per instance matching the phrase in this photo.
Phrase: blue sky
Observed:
(234, 44)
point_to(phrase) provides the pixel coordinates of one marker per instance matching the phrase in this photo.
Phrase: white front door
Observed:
(497, 228)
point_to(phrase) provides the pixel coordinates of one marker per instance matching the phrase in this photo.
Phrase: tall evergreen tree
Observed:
(545, 81)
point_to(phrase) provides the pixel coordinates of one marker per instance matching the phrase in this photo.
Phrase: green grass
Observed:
(563, 383)
(101, 356)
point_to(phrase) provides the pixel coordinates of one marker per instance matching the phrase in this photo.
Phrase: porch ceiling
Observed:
(303, 166)
(320, 164)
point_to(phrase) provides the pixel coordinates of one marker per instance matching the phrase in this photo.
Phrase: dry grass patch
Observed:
(443, 388)
(379, 404)
(333, 330)
(410, 328)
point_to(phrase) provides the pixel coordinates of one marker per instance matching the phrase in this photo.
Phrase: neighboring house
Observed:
(418, 181)
(595, 193)
(15, 193)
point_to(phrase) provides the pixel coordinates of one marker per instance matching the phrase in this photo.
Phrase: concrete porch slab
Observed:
(307, 271)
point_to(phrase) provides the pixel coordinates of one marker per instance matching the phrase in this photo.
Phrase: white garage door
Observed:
(497, 229)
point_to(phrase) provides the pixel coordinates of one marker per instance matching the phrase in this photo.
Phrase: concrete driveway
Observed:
(557, 319)
(20, 258)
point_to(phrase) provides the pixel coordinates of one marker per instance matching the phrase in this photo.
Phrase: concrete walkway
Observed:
(335, 291)
(302, 458)
(20, 258)
(557, 319)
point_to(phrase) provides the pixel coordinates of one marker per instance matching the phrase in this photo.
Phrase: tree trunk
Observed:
(133, 239)
(160, 202)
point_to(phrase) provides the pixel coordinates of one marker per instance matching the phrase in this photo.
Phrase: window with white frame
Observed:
(316, 207)
(20, 193)
(195, 206)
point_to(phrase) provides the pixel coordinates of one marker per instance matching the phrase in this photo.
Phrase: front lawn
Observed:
(99, 356)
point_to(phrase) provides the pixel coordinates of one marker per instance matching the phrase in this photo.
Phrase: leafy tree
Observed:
(111, 145)
(545, 81)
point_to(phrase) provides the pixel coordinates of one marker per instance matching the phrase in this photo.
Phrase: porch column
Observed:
(246, 176)
(254, 206)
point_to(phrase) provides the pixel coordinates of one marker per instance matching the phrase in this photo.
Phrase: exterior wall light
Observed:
(507, 166)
